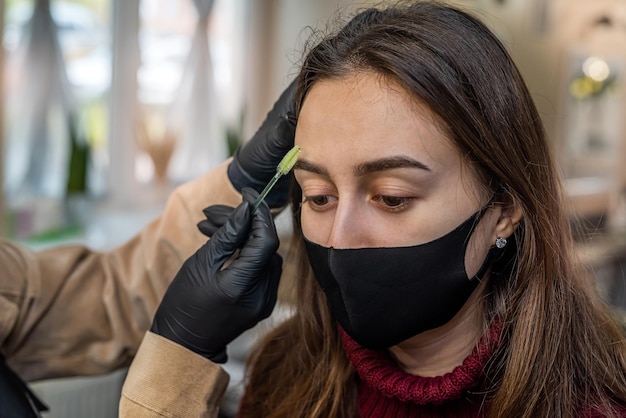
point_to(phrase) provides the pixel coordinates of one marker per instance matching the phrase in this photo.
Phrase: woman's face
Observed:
(376, 171)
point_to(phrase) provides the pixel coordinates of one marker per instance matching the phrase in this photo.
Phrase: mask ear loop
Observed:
(481, 212)
(497, 193)
(500, 242)
(494, 253)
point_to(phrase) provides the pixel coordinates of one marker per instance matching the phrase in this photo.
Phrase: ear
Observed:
(508, 221)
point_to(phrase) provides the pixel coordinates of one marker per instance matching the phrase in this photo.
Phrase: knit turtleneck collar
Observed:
(380, 372)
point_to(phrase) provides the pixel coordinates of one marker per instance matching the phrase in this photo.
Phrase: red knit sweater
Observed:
(385, 390)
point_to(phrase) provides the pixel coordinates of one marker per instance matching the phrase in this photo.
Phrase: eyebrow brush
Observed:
(284, 167)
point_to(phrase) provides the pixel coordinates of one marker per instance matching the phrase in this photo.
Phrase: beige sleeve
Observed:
(168, 380)
(72, 311)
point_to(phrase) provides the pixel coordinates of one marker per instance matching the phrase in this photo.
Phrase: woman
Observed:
(432, 83)
(437, 268)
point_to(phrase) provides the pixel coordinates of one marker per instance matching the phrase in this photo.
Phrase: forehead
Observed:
(365, 116)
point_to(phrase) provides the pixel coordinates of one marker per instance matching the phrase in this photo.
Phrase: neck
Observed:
(438, 351)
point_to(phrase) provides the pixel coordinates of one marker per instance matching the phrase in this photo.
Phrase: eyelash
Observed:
(398, 203)
(318, 207)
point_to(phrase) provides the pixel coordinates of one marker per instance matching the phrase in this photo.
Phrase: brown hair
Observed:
(561, 349)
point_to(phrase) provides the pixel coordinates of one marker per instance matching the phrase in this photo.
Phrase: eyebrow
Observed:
(368, 167)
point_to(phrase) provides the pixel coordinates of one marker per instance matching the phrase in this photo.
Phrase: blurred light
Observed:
(596, 68)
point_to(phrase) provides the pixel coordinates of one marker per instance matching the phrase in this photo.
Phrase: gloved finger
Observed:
(280, 140)
(216, 216)
(248, 194)
(282, 130)
(254, 163)
(286, 129)
(283, 140)
(243, 274)
(256, 294)
(230, 237)
(263, 239)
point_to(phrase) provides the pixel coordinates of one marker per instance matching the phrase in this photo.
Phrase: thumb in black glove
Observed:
(254, 162)
(209, 304)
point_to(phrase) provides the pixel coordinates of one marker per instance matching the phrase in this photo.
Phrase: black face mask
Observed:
(383, 296)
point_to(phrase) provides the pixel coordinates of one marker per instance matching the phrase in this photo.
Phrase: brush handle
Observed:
(265, 191)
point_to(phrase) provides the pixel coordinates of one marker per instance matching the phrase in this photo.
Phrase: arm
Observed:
(206, 306)
(69, 310)
(184, 384)
(225, 288)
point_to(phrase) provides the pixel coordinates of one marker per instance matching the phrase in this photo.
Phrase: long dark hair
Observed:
(561, 349)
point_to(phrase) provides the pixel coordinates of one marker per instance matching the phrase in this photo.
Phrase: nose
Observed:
(350, 226)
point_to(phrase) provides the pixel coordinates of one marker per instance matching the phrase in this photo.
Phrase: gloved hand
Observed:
(215, 217)
(255, 162)
(210, 302)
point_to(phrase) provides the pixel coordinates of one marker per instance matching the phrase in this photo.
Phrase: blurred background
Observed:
(109, 104)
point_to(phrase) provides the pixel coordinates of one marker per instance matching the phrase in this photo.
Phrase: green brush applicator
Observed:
(284, 167)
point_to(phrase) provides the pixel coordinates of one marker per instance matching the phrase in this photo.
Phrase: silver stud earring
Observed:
(500, 242)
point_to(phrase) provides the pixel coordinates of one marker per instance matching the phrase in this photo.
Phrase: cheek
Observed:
(305, 222)
(314, 227)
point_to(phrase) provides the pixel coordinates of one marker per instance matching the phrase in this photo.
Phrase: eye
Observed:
(392, 203)
(319, 202)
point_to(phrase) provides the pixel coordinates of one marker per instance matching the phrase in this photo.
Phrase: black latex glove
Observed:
(209, 304)
(216, 216)
(17, 400)
(255, 162)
